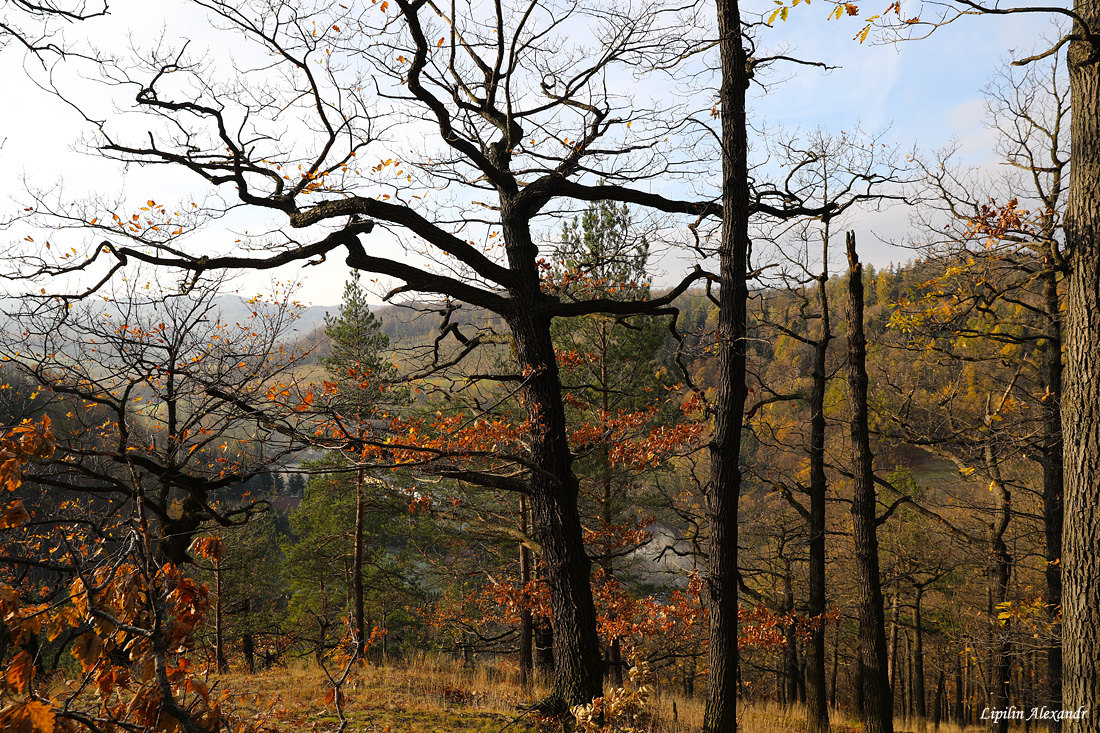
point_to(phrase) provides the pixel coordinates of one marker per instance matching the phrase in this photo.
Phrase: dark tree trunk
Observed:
(836, 667)
(689, 679)
(892, 659)
(526, 624)
(905, 706)
(248, 648)
(802, 674)
(859, 690)
(615, 662)
(1081, 398)
(959, 709)
(872, 632)
(817, 711)
(544, 645)
(728, 407)
(999, 572)
(937, 706)
(555, 518)
(790, 639)
(920, 712)
(1052, 482)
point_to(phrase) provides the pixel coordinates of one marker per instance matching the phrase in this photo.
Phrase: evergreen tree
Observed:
(612, 373)
(358, 367)
(334, 571)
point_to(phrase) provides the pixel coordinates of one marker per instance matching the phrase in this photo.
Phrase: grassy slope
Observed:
(436, 695)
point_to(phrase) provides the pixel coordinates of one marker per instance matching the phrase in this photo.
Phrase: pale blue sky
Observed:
(927, 91)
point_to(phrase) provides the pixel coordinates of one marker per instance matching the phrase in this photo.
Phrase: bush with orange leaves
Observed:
(127, 621)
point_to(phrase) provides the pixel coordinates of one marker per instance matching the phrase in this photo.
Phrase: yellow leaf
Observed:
(41, 716)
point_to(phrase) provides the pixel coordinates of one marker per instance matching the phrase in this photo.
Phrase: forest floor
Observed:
(432, 696)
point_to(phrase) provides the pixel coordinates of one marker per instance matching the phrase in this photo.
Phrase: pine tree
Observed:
(357, 365)
(612, 366)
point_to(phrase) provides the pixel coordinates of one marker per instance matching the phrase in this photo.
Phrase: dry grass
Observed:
(426, 694)
(430, 694)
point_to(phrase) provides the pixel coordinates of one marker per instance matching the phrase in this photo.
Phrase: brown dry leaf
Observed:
(14, 514)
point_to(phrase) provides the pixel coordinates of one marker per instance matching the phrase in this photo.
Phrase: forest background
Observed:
(522, 465)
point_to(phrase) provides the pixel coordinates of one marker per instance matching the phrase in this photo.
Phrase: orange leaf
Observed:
(14, 514)
(19, 671)
(211, 548)
(41, 716)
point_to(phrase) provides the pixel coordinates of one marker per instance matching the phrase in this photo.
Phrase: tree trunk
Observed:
(836, 667)
(817, 710)
(872, 632)
(859, 689)
(219, 626)
(999, 572)
(1081, 399)
(905, 706)
(892, 660)
(790, 639)
(728, 408)
(937, 706)
(248, 648)
(959, 709)
(919, 710)
(555, 517)
(1052, 483)
(357, 567)
(544, 645)
(614, 647)
(526, 626)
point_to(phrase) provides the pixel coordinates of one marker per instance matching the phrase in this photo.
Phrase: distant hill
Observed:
(234, 308)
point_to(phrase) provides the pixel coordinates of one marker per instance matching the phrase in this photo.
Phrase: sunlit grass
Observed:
(428, 694)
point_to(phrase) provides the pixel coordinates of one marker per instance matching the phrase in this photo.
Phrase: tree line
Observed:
(493, 409)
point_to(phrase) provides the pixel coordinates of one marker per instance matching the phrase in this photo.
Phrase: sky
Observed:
(923, 93)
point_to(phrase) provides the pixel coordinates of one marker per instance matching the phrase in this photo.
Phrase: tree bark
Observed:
(859, 690)
(728, 408)
(1053, 468)
(357, 567)
(892, 659)
(959, 709)
(836, 667)
(937, 706)
(555, 517)
(1081, 402)
(790, 639)
(526, 625)
(817, 709)
(920, 711)
(872, 643)
(999, 572)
